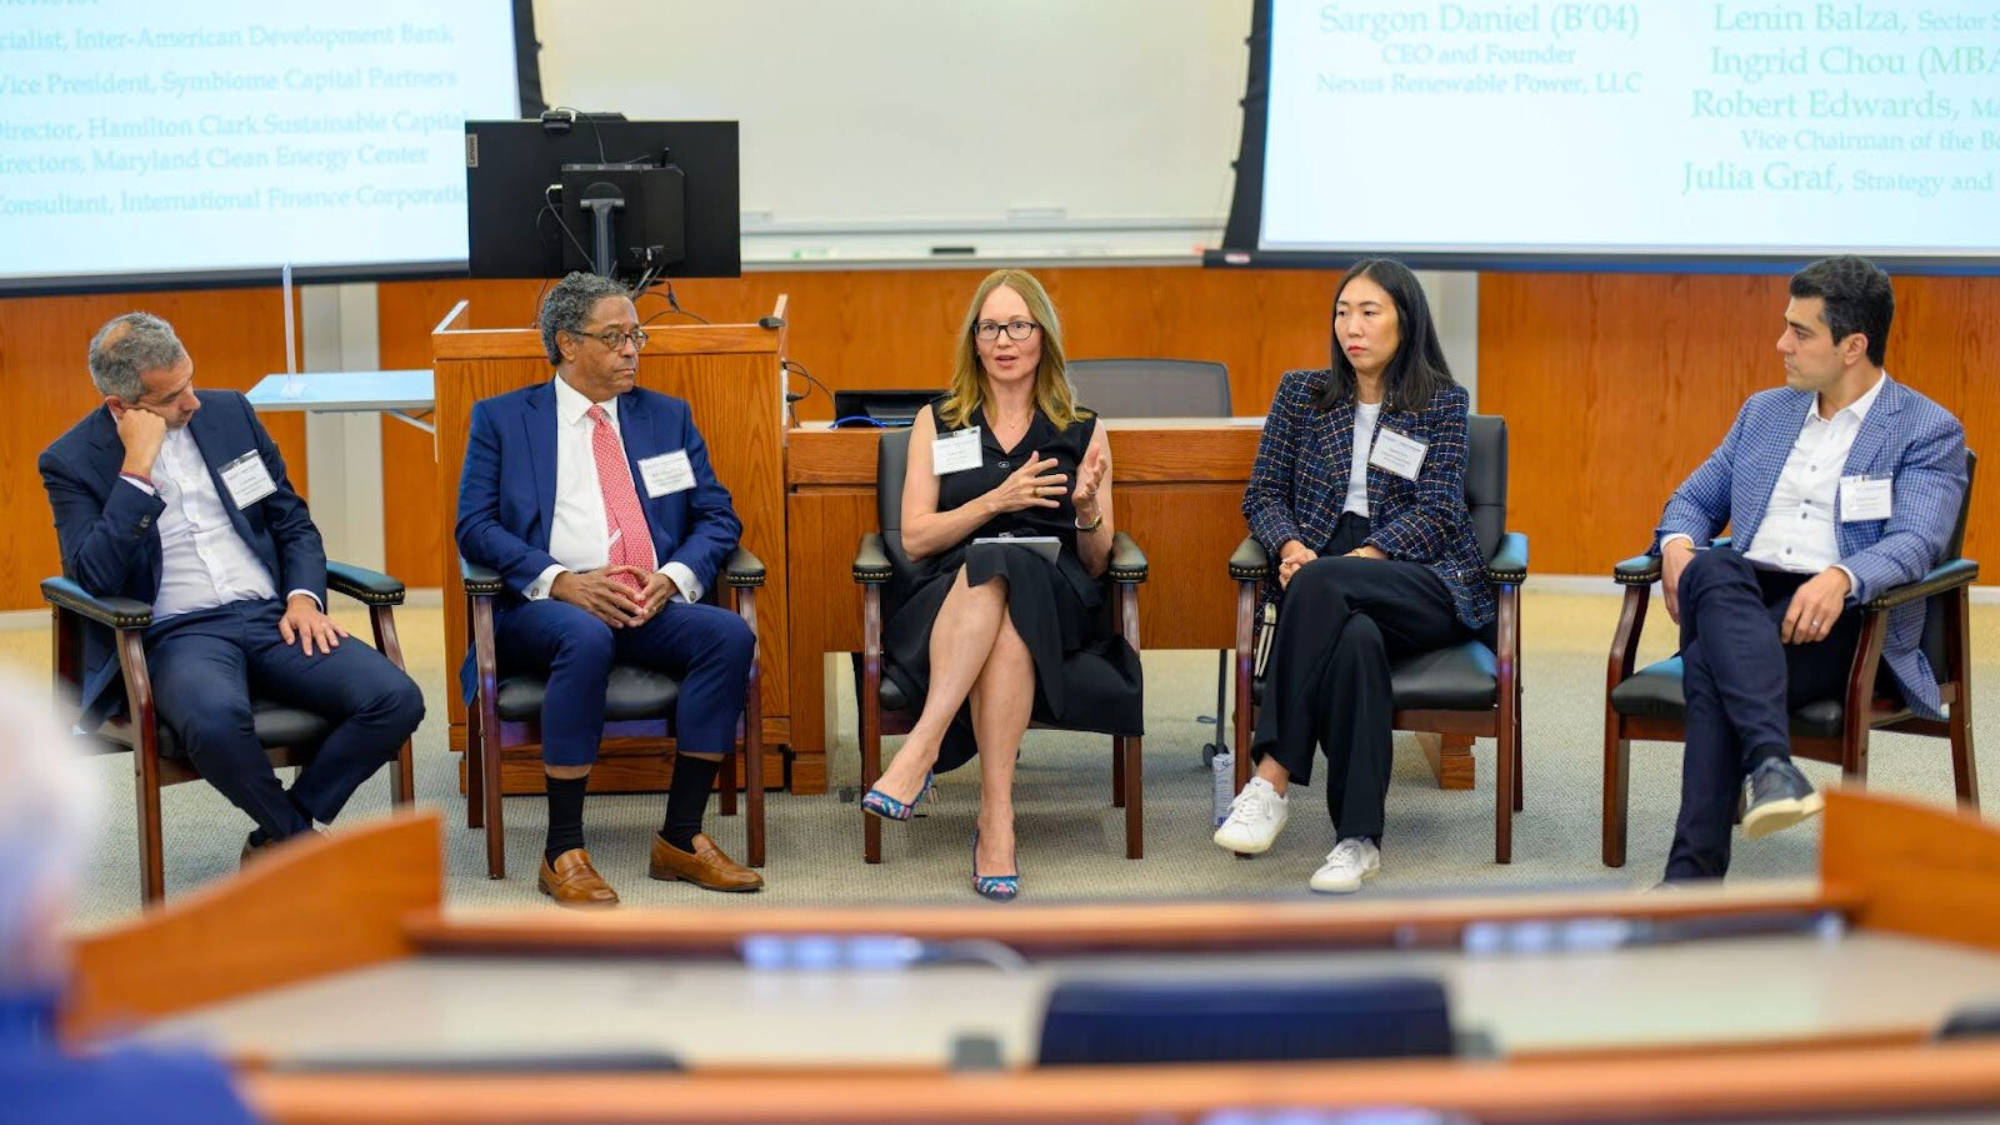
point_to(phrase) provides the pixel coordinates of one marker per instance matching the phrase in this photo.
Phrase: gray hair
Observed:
(48, 817)
(569, 306)
(128, 347)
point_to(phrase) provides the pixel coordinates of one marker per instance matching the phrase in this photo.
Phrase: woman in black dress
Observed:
(1359, 493)
(983, 636)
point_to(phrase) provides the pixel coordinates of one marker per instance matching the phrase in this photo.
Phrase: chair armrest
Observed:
(114, 613)
(1251, 562)
(1639, 570)
(480, 581)
(743, 569)
(871, 561)
(1128, 562)
(1946, 576)
(363, 585)
(1509, 564)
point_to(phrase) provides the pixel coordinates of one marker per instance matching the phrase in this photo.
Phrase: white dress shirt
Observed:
(580, 538)
(1799, 532)
(1365, 416)
(204, 563)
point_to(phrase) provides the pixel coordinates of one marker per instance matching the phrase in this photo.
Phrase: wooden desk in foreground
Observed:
(1689, 1022)
(1179, 494)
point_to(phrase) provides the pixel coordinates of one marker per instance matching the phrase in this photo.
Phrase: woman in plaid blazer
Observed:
(1376, 555)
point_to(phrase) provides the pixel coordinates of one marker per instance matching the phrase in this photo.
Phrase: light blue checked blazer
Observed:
(1906, 436)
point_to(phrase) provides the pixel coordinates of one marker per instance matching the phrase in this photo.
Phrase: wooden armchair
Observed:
(1471, 688)
(290, 735)
(1648, 704)
(882, 706)
(504, 718)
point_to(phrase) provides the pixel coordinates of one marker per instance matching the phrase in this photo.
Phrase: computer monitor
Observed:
(598, 193)
(877, 407)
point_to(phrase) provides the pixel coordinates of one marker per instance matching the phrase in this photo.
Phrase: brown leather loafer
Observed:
(705, 867)
(573, 882)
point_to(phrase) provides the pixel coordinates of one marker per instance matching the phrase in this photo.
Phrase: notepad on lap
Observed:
(1046, 546)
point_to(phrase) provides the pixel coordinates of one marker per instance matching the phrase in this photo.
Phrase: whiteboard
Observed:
(893, 128)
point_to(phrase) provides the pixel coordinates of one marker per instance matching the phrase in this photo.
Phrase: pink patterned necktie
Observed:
(624, 520)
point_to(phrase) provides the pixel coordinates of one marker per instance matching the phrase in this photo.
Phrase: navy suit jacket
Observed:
(108, 532)
(507, 494)
(1906, 437)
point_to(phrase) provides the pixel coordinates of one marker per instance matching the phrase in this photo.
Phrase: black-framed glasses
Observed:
(1015, 329)
(614, 339)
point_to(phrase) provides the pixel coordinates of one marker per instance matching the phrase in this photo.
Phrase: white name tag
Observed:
(1397, 453)
(1864, 498)
(957, 451)
(248, 480)
(666, 474)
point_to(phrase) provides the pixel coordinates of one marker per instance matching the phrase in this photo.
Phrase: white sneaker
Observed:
(1256, 817)
(1351, 861)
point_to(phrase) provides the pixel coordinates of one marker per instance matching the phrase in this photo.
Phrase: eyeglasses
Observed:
(1016, 329)
(615, 340)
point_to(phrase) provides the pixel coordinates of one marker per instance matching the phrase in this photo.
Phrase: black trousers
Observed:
(1327, 681)
(1742, 684)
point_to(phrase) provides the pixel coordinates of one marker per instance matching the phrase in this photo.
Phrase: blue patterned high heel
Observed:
(999, 888)
(889, 808)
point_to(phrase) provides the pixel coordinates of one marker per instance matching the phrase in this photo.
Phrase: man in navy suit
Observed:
(1840, 485)
(595, 502)
(178, 498)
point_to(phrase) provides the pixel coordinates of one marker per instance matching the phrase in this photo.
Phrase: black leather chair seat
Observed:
(276, 725)
(1090, 683)
(1460, 678)
(631, 693)
(1654, 692)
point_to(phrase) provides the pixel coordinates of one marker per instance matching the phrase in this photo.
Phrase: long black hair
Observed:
(1418, 371)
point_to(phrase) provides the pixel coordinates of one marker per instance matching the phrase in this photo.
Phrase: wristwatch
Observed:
(1093, 525)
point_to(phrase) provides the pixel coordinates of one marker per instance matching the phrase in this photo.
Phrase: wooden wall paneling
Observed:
(236, 337)
(1615, 386)
(1946, 343)
(883, 328)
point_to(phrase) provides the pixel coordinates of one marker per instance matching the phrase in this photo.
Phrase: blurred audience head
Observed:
(48, 815)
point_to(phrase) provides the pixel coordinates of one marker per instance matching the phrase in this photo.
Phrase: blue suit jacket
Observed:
(1298, 487)
(44, 1084)
(109, 536)
(1905, 436)
(507, 494)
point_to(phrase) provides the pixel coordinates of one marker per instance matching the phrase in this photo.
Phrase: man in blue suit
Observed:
(595, 502)
(178, 498)
(1840, 485)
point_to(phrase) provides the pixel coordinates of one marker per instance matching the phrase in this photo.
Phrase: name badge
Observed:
(957, 451)
(248, 480)
(1864, 498)
(666, 474)
(1397, 453)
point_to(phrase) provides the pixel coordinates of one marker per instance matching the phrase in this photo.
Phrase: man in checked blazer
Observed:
(1839, 485)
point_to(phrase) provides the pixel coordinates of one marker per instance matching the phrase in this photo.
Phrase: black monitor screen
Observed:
(523, 223)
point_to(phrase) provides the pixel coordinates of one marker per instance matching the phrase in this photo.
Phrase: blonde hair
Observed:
(1053, 394)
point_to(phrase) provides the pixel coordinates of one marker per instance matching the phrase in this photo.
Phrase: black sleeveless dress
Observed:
(1086, 676)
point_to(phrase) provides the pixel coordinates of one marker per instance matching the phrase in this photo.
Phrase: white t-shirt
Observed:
(1365, 416)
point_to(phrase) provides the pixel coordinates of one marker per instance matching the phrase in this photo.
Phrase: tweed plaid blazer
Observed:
(1299, 485)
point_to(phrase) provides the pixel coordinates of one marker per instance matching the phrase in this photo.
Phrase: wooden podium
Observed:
(730, 374)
